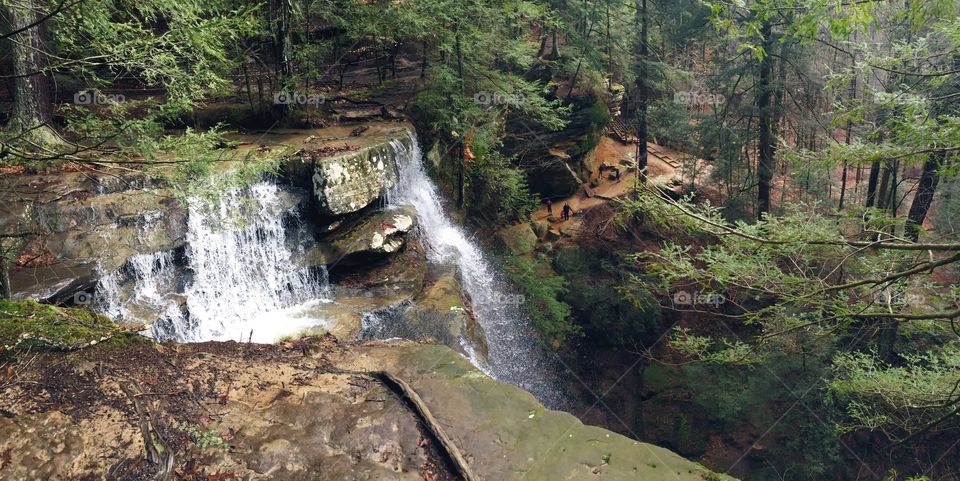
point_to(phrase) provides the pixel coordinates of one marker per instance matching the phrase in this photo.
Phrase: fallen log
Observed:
(420, 408)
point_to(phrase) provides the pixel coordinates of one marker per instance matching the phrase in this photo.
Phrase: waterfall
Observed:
(144, 291)
(515, 354)
(242, 278)
(239, 274)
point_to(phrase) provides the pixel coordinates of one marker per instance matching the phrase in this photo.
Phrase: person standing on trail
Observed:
(566, 211)
(549, 207)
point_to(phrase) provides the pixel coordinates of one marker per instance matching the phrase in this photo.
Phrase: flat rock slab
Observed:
(224, 411)
(309, 409)
(506, 434)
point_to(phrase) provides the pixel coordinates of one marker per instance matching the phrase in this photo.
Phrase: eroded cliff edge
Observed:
(312, 408)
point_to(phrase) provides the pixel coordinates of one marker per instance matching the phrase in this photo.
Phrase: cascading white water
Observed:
(240, 277)
(244, 276)
(515, 354)
(150, 292)
(243, 280)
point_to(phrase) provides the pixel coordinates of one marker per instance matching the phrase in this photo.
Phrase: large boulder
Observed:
(346, 167)
(518, 240)
(368, 237)
(350, 181)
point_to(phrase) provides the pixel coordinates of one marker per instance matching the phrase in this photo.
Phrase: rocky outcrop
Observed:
(348, 172)
(351, 181)
(505, 434)
(87, 223)
(267, 413)
(370, 236)
(95, 219)
(557, 161)
(305, 409)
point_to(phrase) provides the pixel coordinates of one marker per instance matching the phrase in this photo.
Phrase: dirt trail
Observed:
(662, 163)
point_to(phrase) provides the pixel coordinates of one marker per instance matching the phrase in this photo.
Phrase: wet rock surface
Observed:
(365, 238)
(95, 219)
(87, 222)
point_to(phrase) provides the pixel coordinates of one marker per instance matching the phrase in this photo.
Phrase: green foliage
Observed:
(188, 57)
(758, 397)
(204, 438)
(611, 313)
(673, 125)
(542, 289)
(897, 399)
(787, 312)
(499, 191)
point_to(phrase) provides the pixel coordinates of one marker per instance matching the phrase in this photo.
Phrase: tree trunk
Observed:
(461, 158)
(849, 137)
(641, 82)
(280, 12)
(609, 51)
(4, 280)
(887, 338)
(423, 66)
(883, 191)
(872, 183)
(765, 141)
(929, 179)
(894, 182)
(32, 108)
(554, 48)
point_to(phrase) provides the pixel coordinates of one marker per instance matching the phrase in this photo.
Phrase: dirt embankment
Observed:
(130, 408)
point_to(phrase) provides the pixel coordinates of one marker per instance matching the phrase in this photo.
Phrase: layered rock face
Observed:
(91, 223)
(377, 234)
(347, 173)
(96, 222)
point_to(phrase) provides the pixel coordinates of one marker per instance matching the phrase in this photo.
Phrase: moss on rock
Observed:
(517, 240)
(29, 324)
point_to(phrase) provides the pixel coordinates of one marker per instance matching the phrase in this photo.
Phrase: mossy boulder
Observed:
(517, 240)
(540, 228)
(29, 324)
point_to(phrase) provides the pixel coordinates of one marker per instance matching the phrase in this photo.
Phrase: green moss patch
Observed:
(29, 324)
